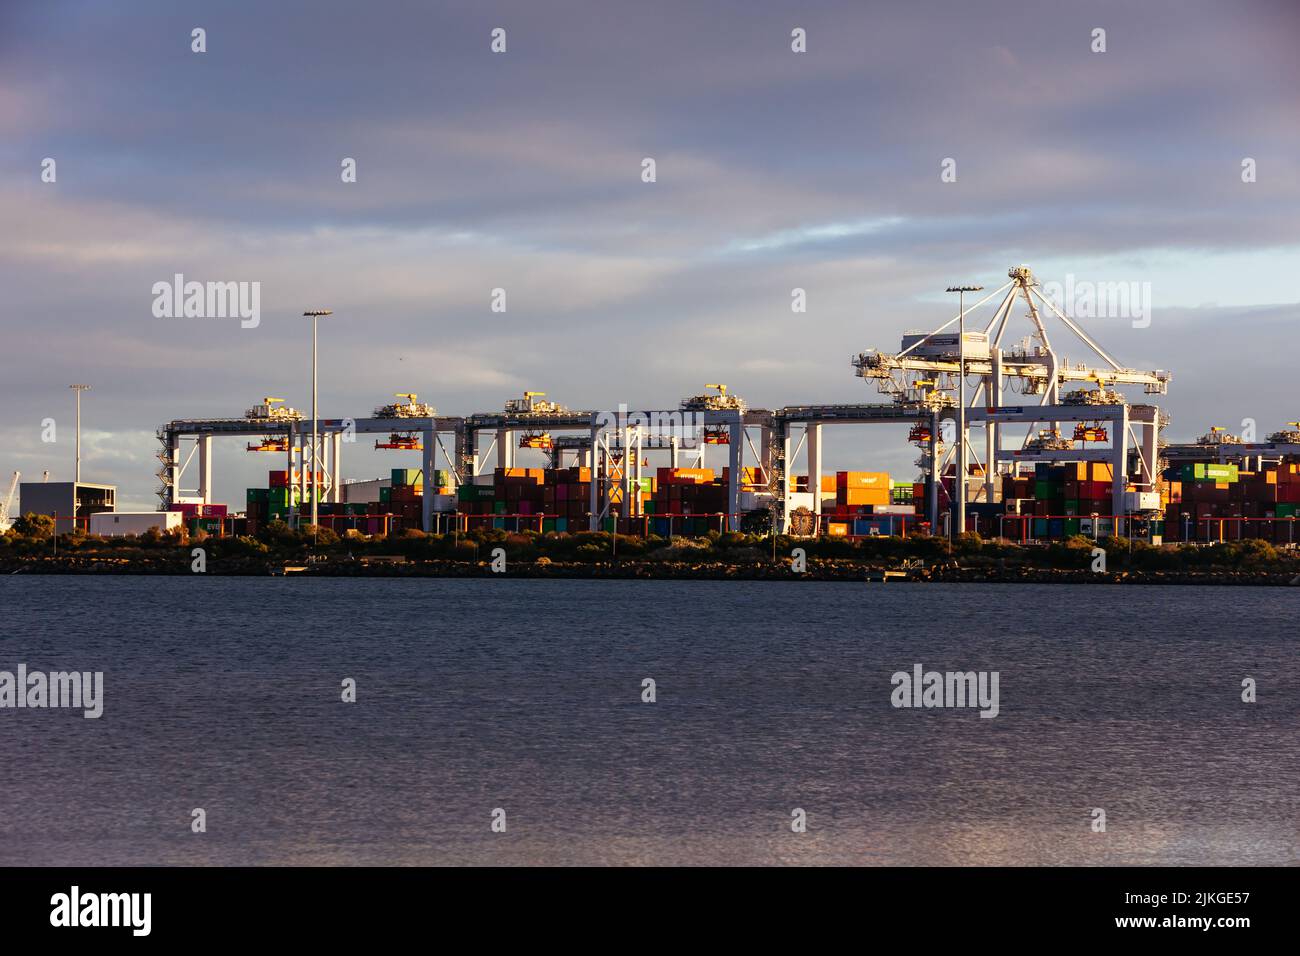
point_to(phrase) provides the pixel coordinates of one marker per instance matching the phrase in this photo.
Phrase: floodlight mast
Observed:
(76, 475)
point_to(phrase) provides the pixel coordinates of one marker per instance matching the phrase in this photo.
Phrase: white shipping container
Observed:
(110, 524)
(1141, 501)
(444, 502)
(364, 492)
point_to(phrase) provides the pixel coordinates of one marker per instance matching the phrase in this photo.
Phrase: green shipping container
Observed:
(1071, 526)
(648, 507)
(1209, 472)
(385, 495)
(499, 507)
(1286, 510)
(1043, 490)
(258, 495)
(548, 524)
(407, 476)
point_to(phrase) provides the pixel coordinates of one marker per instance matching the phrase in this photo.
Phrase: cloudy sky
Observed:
(522, 170)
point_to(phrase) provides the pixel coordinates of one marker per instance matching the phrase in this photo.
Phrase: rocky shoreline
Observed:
(642, 569)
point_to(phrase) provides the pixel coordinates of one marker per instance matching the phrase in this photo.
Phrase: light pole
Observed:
(315, 450)
(961, 291)
(76, 476)
(1187, 527)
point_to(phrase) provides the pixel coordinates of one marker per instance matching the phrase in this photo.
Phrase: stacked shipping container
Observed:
(1217, 502)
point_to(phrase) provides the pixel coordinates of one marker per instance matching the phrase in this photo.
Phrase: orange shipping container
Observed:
(691, 475)
(863, 496)
(862, 479)
(828, 483)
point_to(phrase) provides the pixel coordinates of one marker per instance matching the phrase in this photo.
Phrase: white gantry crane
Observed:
(928, 369)
(5, 521)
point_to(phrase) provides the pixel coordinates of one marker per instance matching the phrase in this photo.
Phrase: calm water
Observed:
(225, 694)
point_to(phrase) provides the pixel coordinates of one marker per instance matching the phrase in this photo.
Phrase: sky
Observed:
(523, 170)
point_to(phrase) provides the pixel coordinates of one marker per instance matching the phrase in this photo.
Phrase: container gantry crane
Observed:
(400, 440)
(271, 410)
(1034, 368)
(5, 521)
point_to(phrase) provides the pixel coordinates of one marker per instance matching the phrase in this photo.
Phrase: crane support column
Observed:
(1151, 450)
(634, 504)
(430, 453)
(174, 466)
(336, 484)
(992, 431)
(505, 449)
(815, 467)
(598, 466)
(1119, 466)
(932, 474)
(307, 463)
(295, 449)
(737, 430)
(787, 482)
(205, 469)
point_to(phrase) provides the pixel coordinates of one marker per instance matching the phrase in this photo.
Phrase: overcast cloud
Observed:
(522, 171)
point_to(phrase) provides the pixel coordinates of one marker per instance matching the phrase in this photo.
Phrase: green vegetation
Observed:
(30, 545)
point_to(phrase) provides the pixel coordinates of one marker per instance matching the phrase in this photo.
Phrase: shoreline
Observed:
(641, 569)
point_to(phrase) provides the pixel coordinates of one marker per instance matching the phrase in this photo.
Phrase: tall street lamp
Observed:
(78, 389)
(961, 291)
(315, 450)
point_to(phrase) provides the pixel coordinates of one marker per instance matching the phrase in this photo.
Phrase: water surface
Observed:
(224, 693)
